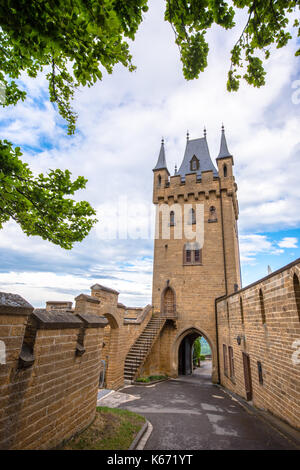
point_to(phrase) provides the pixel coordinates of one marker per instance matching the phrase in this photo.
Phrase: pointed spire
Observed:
(224, 152)
(161, 162)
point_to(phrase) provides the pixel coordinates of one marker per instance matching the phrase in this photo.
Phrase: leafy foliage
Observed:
(38, 204)
(71, 38)
(73, 42)
(197, 349)
(267, 24)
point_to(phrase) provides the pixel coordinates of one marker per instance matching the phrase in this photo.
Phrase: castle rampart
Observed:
(261, 325)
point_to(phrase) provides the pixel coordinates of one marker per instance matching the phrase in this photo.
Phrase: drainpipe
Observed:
(225, 278)
(223, 239)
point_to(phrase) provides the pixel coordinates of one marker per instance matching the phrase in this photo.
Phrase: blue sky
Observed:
(121, 122)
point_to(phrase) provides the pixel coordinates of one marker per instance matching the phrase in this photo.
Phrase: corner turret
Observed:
(161, 172)
(225, 159)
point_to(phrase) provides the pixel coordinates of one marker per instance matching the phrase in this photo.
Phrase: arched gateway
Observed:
(182, 352)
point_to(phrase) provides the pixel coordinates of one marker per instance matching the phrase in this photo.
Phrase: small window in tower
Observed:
(194, 164)
(212, 214)
(225, 171)
(159, 181)
(172, 218)
(188, 256)
(192, 254)
(192, 217)
(197, 256)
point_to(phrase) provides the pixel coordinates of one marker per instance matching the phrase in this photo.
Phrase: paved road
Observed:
(191, 413)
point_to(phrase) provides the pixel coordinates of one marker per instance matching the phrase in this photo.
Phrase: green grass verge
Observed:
(112, 429)
(151, 378)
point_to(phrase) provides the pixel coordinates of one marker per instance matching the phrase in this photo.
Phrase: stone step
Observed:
(134, 354)
(132, 362)
(130, 371)
(142, 344)
(129, 375)
(150, 331)
(145, 339)
(141, 348)
(136, 351)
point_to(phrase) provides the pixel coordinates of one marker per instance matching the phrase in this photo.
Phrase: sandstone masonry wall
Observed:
(49, 381)
(265, 319)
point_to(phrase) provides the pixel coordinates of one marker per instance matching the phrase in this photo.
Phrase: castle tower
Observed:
(189, 274)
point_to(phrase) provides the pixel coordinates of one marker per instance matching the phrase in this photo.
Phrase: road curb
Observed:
(142, 437)
(277, 424)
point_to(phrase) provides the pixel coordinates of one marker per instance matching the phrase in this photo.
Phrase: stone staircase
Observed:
(141, 348)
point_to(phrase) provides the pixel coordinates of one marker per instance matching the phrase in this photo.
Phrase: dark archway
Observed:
(185, 353)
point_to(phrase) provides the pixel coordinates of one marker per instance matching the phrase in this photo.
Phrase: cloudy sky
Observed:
(121, 122)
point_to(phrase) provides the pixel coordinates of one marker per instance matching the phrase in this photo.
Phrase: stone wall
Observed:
(121, 328)
(49, 374)
(262, 323)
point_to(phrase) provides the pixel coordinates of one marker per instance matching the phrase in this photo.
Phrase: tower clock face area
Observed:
(196, 255)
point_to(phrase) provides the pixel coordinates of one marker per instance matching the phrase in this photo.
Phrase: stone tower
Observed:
(188, 275)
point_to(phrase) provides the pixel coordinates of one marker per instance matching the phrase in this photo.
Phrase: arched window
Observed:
(172, 218)
(225, 171)
(159, 181)
(242, 310)
(192, 254)
(188, 256)
(194, 164)
(169, 301)
(297, 293)
(262, 307)
(212, 214)
(192, 217)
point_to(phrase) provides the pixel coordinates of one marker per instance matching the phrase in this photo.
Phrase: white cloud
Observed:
(288, 242)
(252, 245)
(121, 121)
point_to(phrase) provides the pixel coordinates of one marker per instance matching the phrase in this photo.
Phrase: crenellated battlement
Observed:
(193, 189)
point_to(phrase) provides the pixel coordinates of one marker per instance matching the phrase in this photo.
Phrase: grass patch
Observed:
(112, 429)
(151, 378)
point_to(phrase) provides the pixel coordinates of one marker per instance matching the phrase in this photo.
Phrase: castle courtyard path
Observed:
(191, 413)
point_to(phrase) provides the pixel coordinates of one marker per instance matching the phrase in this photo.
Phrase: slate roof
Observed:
(161, 162)
(224, 152)
(199, 148)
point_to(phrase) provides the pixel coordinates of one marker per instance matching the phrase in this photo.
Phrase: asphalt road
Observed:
(190, 413)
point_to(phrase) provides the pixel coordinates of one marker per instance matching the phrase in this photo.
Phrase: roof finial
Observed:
(223, 128)
(187, 135)
(162, 141)
(175, 170)
(205, 131)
